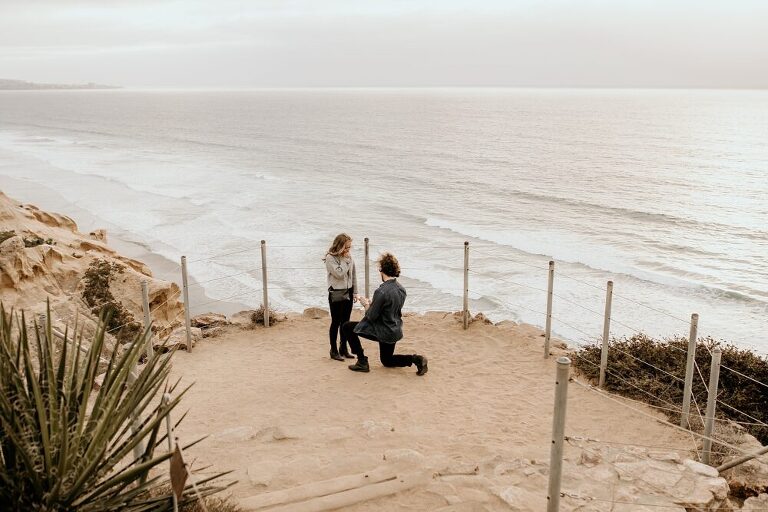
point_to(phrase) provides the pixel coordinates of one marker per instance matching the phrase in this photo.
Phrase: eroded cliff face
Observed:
(44, 257)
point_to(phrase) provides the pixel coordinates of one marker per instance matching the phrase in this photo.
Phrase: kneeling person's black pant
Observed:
(386, 350)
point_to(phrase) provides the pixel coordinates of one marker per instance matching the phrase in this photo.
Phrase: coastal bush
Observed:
(5, 235)
(653, 371)
(99, 298)
(29, 241)
(35, 240)
(66, 444)
(257, 317)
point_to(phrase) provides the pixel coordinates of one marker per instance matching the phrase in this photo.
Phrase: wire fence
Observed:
(253, 284)
(483, 283)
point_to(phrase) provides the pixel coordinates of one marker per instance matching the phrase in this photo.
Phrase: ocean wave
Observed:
(664, 219)
(653, 273)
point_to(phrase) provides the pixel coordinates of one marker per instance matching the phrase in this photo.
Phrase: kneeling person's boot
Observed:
(361, 365)
(421, 364)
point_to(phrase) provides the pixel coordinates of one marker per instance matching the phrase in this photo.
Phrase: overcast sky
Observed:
(307, 43)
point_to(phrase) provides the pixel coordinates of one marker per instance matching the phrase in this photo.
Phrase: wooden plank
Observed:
(316, 489)
(353, 496)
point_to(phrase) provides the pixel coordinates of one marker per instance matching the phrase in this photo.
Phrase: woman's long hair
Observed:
(337, 247)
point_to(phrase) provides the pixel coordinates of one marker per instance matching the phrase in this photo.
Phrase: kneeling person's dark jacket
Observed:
(383, 320)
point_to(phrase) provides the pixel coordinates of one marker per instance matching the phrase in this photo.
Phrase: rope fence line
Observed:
(512, 304)
(222, 255)
(252, 291)
(654, 448)
(199, 283)
(673, 407)
(745, 376)
(742, 412)
(616, 295)
(563, 274)
(574, 303)
(588, 335)
(643, 413)
(513, 260)
(233, 297)
(510, 281)
(649, 364)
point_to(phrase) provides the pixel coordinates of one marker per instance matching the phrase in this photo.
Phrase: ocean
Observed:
(664, 192)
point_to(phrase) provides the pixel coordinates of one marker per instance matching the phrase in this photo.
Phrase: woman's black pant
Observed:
(340, 313)
(386, 350)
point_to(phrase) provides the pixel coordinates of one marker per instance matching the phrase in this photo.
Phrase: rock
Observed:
(480, 318)
(405, 456)
(243, 318)
(520, 500)
(260, 475)
(275, 433)
(209, 320)
(666, 457)
(214, 332)
(374, 429)
(702, 469)
(316, 313)
(244, 433)
(759, 502)
(99, 234)
(642, 482)
(12, 245)
(178, 338)
(590, 459)
(751, 477)
(506, 468)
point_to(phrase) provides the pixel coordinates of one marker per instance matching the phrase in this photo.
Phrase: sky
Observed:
(387, 43)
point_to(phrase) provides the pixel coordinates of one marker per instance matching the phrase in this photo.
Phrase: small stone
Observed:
(590, 459)
(315, 313)
(404, 456)
(209, 320)
(375, 429)
(244, 433)
(701, 469)
(260, 475)
(666, 457)
(213, 332)
(759, 502)
(518, 499)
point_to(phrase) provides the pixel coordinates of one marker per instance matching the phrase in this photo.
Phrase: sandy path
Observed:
(281, 413)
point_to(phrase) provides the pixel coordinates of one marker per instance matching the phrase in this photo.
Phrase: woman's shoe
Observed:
(335, 355)
(344, 351)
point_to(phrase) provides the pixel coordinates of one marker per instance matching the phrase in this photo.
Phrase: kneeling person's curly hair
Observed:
(389, 265)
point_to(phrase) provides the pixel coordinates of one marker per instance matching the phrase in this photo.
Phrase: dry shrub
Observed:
(99, 298)
(459, 316)
(639, 367)
(257, 317)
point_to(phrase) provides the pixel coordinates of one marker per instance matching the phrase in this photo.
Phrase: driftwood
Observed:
(337, 492)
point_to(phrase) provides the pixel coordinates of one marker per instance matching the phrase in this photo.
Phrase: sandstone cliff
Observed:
(43, 257)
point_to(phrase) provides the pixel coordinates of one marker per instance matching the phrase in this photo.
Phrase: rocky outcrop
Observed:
(43, 257)
(749, 478)
(642, 480)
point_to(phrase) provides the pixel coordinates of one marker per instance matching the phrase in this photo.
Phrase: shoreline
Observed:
(162, 268)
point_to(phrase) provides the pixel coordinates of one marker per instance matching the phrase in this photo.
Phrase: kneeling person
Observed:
(383, 322)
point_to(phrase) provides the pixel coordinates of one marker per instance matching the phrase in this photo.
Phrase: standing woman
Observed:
(342, 291)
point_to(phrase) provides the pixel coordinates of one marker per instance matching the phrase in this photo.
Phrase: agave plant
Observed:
(67, 444)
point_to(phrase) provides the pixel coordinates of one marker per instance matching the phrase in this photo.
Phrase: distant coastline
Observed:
(21, 85)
